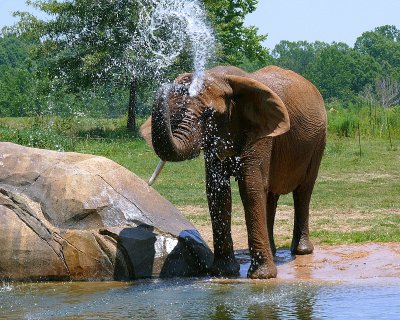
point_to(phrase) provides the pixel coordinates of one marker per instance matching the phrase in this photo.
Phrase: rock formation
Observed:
(70, 216)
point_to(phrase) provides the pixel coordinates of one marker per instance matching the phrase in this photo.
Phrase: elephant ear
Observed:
(257, 107)
(145, 132)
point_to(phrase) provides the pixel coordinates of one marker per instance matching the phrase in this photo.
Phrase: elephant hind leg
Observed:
(301, 243)
(272, 202)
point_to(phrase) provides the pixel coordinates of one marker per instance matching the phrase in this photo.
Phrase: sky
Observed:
(7, 7)
(324, 20)
(295, 20)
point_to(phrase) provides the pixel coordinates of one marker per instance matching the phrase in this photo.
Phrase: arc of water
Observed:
(165, 27)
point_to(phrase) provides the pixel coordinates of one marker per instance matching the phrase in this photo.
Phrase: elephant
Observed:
(268, 130)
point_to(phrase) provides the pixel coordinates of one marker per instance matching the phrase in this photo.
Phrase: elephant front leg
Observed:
(252, 187)
(220, 206)
(262, 262)
(272, 202)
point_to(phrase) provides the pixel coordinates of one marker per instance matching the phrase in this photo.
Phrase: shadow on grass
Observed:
(107, 133)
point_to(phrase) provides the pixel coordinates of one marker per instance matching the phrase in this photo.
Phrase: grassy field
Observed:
(356, 198)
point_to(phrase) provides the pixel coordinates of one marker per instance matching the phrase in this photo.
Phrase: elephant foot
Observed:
(225, 268)
(263, 270)
(302, 247)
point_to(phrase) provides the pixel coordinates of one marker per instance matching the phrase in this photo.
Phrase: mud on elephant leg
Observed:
(220, 206)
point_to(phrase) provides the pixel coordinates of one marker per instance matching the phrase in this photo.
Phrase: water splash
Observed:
(167, 29)
(6, 287)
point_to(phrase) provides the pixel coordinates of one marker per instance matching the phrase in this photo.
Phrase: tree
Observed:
(365, 70)
(341, 72)
(331, 71)
(17, 86)
(297, 56)
(382, 44)
(388, 92)
(85, 43)
(238, 45)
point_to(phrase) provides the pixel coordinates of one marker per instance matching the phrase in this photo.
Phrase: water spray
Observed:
(165, 29)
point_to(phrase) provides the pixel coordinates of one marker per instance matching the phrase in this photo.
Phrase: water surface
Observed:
(341, 282)
(201, 299)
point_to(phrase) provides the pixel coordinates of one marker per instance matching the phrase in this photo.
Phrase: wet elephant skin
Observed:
(268, 129)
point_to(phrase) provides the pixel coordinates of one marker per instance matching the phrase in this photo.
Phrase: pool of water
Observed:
(204, 298)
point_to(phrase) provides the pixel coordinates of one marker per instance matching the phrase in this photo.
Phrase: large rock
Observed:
(70, 216)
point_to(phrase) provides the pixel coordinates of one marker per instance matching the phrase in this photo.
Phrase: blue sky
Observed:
(311, 20)
(7, 7)
(325, 20)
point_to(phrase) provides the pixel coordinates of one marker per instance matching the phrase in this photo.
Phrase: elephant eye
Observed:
(229, 103)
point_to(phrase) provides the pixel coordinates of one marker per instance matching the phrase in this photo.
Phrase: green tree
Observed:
(238, 45)
(382, 44)
(341, 72)
(365, 70)
(297, 56)
(17, 86)
(332, 73)
(84, 43)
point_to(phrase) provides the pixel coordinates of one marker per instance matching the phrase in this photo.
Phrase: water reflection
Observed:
(201, 299)
(266, 301)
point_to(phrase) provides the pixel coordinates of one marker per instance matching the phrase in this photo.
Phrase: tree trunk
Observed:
(131, 125)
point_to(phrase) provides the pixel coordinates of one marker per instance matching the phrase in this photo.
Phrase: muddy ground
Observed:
(344, 263)
(378, 262)
(328, 262)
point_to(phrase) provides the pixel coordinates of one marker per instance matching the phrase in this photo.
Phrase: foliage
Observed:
(79, 62)
(38, 138)
(239, 45)
(341, 72)
(382, 44)
(17, 86)
(297, 56)
(85, 47)
(372, 120)
(84, 42)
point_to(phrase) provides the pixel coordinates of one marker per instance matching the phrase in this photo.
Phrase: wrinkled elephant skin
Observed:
(266, 128)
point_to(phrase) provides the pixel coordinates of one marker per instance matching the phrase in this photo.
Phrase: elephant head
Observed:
(231, 109)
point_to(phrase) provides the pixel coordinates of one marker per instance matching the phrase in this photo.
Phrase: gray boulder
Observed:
(70, 216)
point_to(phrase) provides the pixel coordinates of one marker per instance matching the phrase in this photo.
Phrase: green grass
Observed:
(356, 198)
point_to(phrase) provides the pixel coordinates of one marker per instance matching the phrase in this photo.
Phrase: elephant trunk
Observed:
(175, 139)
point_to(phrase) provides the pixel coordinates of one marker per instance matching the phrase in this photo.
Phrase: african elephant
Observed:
(268, 129)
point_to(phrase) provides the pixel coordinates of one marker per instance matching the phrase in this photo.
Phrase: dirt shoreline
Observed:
(378, 262)
(345, 262)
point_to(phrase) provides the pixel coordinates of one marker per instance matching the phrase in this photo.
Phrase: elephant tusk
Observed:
(154, 176)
